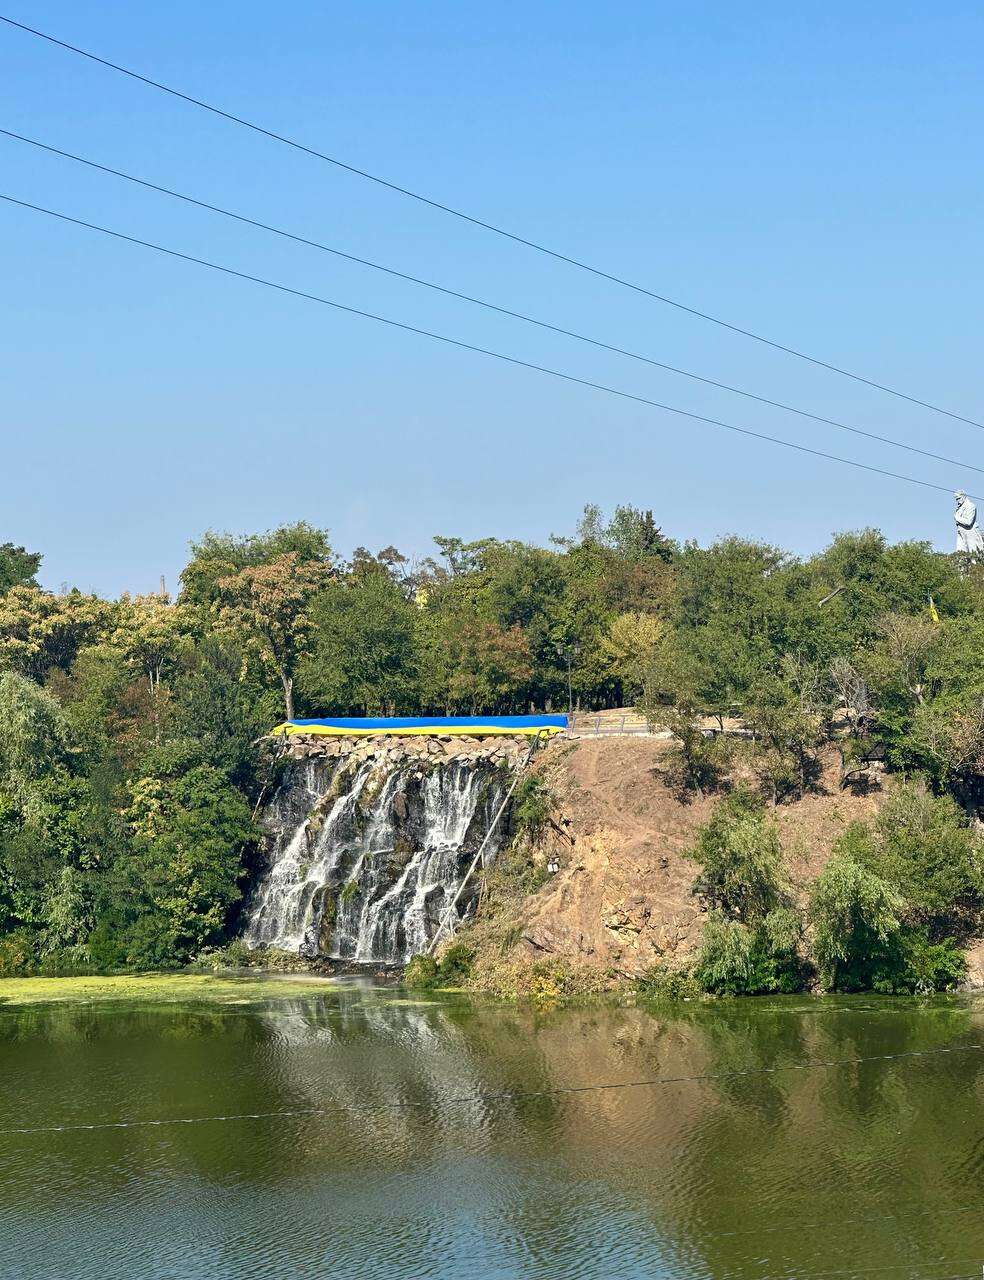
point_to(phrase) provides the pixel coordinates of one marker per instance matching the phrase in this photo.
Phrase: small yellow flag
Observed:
(933, 612)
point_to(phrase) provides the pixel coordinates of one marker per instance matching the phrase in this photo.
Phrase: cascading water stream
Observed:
(368, 853)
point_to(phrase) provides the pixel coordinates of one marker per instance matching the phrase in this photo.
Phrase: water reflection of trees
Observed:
(694, 1175)
(869, 1139)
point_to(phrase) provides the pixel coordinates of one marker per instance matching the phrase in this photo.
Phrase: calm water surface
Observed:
(872, 1168)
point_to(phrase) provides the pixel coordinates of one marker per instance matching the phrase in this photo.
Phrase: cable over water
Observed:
(504, 1095)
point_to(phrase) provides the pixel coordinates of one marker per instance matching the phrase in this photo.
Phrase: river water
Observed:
(397, 1159)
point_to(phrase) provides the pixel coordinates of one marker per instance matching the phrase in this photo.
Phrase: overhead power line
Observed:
(894, 1266)
(812, 1064)
(480, 302)
(484, 225)
(469, 346)
(840, 1223)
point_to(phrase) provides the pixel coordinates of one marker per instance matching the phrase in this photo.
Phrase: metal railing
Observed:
(582, 724)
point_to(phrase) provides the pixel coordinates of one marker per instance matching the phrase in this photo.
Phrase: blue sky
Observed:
(810, 172)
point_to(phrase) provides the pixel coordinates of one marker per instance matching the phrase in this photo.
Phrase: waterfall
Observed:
(367, 849)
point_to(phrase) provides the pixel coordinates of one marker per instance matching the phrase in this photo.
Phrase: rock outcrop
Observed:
(370, 838)
(621, 900)
(396, 747)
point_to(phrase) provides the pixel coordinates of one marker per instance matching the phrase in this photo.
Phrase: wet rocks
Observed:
(369, 839)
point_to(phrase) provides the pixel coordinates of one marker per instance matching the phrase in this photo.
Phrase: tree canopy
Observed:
(129, 769)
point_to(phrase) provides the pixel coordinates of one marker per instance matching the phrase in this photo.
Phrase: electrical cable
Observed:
(484, 225)
(481, 302)
(508, 1094)
(848, 1222)
(891, 1266)
(485, 351)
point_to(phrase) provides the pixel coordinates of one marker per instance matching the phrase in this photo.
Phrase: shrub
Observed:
(421, 972)
(855, 918)
(557, 979)
(929, 966)
(750, 942)
(236, 955)
(452, 970)
(65, 962)
(782, 935)
(740, 859)
(669, 982)
(738, 960)
(532, 807)
(890, 906)
(17, 953)
(924, 846)
(725, 965)
(699, 760)
(787, 716)
(455, 964)
(909, 964)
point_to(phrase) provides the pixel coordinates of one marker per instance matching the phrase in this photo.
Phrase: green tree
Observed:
(33, 740)
(738, 960)
(219, 708)
(17, 567)
(856, 920)
(788, 716)
(51, 824)
(488, 665)
(149, 632)
(222, 555)
(363, 655)
(861, 578)
(633, 644)
(740, 859)
(172, 896)
(923, 846)
(269, 607)
(750, 943)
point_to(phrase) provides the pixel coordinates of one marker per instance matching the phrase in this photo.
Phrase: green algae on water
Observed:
(161, 988)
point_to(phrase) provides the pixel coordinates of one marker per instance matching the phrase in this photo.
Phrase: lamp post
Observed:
(567, 653)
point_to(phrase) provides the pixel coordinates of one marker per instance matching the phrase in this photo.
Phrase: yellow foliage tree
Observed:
(631, 646)
(149, 631)
(39, 630)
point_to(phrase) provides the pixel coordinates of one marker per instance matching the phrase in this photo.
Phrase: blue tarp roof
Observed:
(480, 726)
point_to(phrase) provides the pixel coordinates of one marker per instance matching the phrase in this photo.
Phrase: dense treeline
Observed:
(891, 911)
(129, 766)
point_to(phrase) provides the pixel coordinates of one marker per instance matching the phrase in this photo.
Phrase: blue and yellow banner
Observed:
(403, 726)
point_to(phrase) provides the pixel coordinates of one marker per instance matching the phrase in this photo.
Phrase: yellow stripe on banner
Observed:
(432, 731)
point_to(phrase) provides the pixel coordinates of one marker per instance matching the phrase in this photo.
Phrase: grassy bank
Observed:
(161, 988)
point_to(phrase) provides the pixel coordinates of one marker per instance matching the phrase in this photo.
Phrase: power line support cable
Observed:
(489, 306)
(483, 225)
(447, 920)
(811, 1064)
(484, 351)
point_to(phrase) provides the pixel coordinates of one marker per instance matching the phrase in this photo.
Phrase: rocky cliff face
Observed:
(621, 900)
(369, 840)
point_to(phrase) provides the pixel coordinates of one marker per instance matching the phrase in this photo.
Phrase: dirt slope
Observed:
(621, 901)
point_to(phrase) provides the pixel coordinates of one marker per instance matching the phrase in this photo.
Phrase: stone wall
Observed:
(393, 747)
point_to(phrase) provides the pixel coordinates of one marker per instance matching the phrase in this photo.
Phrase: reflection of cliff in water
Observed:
(398, 1156)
